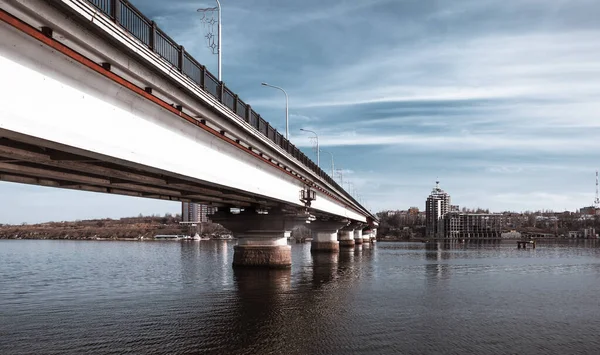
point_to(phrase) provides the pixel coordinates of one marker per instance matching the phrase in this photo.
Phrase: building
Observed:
(436, 206)
(413, 211)
(205, 212)
(195, 212)
(587, 233)
(190, 212)
(590, 211)
(513, 234)
(460, 225)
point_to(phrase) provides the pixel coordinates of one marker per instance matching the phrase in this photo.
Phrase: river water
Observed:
(73, 297)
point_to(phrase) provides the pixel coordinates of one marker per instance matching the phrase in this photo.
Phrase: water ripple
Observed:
(72, 297)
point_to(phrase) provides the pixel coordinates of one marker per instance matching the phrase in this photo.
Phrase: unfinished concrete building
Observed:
(458, 225)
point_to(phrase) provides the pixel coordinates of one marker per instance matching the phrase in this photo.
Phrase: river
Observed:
(73, 297)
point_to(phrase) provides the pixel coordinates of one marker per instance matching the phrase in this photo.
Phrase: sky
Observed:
(497, 99)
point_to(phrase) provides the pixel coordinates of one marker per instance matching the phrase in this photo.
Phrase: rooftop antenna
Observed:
(597, 200)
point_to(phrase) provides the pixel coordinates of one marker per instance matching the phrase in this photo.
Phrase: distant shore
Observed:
(134, 228)
(545, 239)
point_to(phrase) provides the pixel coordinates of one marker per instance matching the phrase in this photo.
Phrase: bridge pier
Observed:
(358, 236)
(262, 239)
(366, 236)
(271, 252)
(346, 235)
(325, 235)
(347, 238)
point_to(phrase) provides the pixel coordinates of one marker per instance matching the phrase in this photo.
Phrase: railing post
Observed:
(203, 77)
(248, 113)
(235, 103)
(153, 36)
(180, 58)
(115, 10)
(220, 92)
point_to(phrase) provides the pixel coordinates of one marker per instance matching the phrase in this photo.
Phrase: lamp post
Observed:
(286, 106)
(316, 136)
(341, 172)
(219, 37)
(332, 166)
(351, 190)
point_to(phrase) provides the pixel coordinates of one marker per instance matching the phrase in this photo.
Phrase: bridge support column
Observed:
(347, 234)
(325, 235)
(262, 240)
(271, 251)
(366, 236)
(358, 236)
(347, 238)
(325, 241)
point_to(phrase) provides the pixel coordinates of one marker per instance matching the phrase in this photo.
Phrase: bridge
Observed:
(96, 97)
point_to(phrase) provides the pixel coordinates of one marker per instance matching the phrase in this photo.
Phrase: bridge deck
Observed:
(41, 153)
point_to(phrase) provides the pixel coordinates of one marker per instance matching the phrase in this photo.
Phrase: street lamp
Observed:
(316, 136)
(286, 105)
(341, 172)
(219, 38)
(351, 190)
(332, 166)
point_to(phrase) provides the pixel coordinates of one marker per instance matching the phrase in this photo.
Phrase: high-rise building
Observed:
(205, 212)
(436, 206)
(195, 212)
(190, 212)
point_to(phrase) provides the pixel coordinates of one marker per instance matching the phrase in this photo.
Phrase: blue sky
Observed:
(499, 99)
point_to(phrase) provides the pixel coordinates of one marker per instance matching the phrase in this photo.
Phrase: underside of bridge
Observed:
(30, 160)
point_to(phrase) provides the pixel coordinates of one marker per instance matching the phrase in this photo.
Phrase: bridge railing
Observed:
(146, 30)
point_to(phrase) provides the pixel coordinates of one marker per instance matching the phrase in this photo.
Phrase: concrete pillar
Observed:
(358, 236)
(262, 249)
(346, 238)
(325, 241)
(262, 240)
(366, 236)
(325, 235)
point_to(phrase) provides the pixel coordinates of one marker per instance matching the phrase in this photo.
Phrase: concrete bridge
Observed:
(96, 97)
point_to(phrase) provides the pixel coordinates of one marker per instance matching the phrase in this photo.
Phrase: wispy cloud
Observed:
(303, 118)
(499, 99)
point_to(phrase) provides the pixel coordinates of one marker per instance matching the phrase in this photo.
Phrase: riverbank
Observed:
(104, 229)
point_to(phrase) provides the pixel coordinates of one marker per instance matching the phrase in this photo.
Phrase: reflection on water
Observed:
(435, 270)
(346, 256)
(259, 307)
(251, 283)
(410, 298)
(325, 266)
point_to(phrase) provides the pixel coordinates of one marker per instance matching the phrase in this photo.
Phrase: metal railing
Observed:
(145, 30)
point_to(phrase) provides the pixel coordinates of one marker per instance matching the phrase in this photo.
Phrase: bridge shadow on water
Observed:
(285, 309)
(269, 311)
